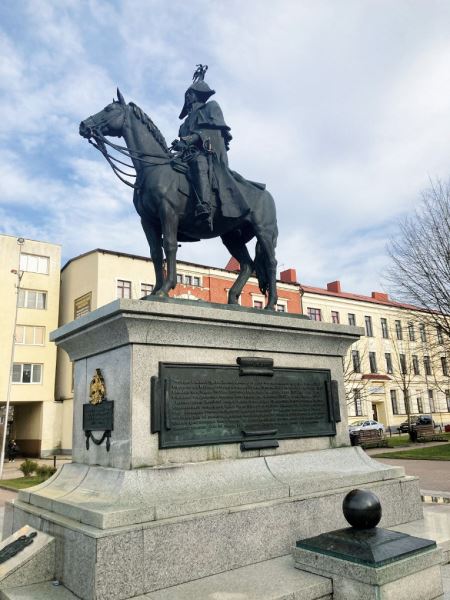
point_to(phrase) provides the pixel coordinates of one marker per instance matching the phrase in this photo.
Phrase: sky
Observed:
(341, 108)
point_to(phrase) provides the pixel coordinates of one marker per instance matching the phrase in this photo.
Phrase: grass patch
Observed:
(440, 452)
(22, 482)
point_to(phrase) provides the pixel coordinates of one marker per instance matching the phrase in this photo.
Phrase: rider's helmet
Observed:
(199, 86)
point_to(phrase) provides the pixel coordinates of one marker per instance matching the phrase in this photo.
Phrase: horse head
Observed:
(108, 122)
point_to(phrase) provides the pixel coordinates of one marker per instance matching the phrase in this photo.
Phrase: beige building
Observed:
(30, 277)
(401, 358)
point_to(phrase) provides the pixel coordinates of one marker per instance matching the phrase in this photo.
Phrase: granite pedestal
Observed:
(140, 518)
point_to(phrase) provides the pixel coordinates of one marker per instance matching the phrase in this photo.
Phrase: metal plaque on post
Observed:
(253, 403)
(98, 413)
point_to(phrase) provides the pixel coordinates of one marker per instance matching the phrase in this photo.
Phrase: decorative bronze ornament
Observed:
(97, 390)
(17, 546)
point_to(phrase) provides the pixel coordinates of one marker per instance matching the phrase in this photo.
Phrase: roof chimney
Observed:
(380, 296)
(288, 276)
(334, 286)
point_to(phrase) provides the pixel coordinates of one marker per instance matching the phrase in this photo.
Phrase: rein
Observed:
(100, 142)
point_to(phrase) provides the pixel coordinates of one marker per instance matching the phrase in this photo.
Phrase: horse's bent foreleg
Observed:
(236, 247)
(153, 235)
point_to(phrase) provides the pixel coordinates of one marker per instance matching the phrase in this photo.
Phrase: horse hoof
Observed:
(161, 294)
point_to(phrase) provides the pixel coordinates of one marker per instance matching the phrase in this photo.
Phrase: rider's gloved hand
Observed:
(178, 145)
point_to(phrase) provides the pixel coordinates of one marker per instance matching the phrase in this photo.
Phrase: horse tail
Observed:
(261, 268)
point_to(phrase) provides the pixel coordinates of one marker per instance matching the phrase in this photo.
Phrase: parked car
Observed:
(417, 420)
(366, 425)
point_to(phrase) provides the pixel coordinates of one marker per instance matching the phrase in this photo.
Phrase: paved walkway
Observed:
(434, 475)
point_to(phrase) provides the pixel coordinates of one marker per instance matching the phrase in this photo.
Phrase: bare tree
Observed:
(420, 273)
(356, 388)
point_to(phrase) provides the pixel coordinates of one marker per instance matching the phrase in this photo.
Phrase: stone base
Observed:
(34, 564)
(417, 577)
(193, 521)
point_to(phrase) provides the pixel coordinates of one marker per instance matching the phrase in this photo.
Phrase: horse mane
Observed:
(145, 119)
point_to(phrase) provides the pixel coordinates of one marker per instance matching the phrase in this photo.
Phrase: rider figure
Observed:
(204, 141)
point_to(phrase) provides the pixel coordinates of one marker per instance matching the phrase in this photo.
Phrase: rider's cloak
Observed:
(232, 189)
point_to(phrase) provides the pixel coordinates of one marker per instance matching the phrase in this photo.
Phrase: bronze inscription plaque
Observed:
(197, 405)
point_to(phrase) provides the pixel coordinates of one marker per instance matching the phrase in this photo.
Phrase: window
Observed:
(258, 304)
(196, 281)
(30, 335)
(423, 332)
(34, 263)
(403, 368)
(411, 332)
(351, 319)
(356, 361)
(334, 316)
(188, 280)
(427, 365)
(415, 364)
(123, 288)
(358, 404)
(146, 289)
(384, 328)
(281, 308)
(315, 314)
(419, 404)
(26, 373)
(394, 402)
(447, 399)
(388, 357)
(179, 278)
(82, 305)
(440, 334)
(431, 400)
(398, 330)
(373, 362)
(444, 366)
(32, 299)
(369, 329)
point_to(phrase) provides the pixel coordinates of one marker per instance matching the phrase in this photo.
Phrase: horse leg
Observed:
(170, 245)
(153, 235)
(265, 256)
(236, 247)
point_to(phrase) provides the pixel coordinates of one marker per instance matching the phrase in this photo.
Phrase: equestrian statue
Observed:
(187, 192)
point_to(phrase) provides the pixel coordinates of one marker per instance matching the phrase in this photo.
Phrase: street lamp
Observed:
(19, 274)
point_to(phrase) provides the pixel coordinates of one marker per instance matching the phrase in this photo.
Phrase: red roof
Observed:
(233, 265)
(359, 297)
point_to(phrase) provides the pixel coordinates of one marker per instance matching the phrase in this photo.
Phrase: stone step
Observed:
(275, 579)
(38, 591)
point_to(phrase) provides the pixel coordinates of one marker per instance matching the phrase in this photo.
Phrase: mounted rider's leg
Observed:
(200, 179)
(236, 247)
(153, 235)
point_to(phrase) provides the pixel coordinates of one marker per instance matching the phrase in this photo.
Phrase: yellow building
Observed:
(401, 359)
(30, 273)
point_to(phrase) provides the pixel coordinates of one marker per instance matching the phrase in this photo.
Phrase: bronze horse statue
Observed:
(163, 200)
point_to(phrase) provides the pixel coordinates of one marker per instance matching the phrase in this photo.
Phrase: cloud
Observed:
(340, 108)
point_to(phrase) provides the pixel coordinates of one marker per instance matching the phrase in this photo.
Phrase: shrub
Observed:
(28, 467)
(45, 471)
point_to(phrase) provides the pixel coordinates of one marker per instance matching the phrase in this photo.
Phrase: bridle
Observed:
(99, 142)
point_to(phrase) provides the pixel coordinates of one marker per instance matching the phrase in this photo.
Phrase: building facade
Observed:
(399, 365)
(29, 283)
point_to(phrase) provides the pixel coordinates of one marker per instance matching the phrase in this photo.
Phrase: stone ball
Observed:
(362, 509)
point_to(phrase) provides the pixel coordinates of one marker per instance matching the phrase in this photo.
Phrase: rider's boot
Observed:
(203, 208)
